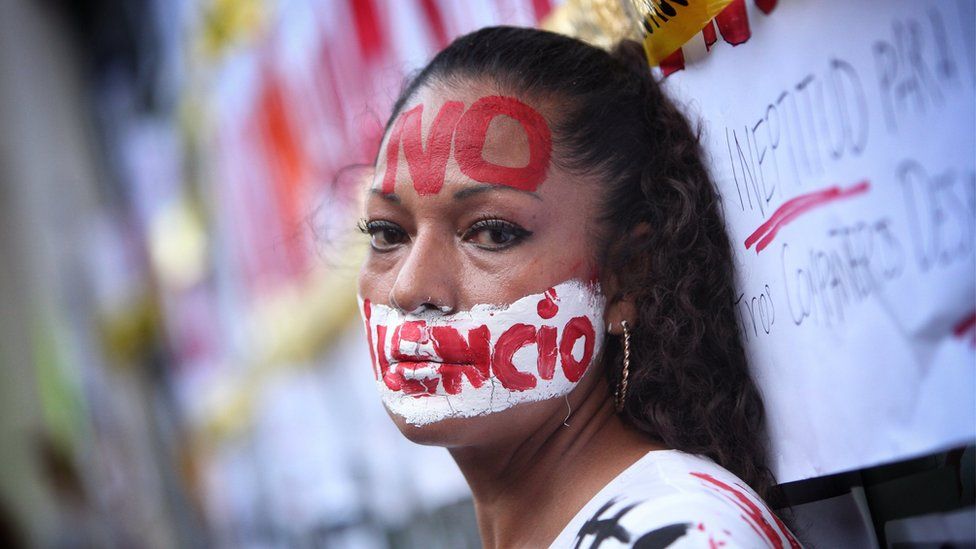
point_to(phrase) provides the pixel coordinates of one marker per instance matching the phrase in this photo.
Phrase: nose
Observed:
(426, 280)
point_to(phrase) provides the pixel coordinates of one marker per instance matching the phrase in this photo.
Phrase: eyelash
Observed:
(486, 223)
(373, 227)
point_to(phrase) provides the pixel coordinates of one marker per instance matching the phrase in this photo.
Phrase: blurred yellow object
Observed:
(667, 24)
(662, 25)
(178, 245)
(226, 22)
(298, 323)
(129, 333)
(290, 330)
(601, 23)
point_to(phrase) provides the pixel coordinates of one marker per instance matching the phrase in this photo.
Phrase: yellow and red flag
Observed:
(667, 24)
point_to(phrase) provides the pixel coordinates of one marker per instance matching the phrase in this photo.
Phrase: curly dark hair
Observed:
(663, 241)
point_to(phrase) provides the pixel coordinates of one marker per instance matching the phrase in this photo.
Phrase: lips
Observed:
(436, 352)
(422, 357)
(420, 376)
(419, 371)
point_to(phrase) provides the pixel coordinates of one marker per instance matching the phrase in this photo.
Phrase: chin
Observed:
(448, 433)
(479, 430)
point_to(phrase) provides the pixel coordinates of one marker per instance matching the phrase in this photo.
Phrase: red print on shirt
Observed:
(753, 514)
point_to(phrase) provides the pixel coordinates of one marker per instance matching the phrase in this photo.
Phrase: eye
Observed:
(495, 234)
(383, 235)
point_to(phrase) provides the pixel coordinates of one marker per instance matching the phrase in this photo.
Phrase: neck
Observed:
(526, 490)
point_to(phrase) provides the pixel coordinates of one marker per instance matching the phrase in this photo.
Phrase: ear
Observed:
(621, 310)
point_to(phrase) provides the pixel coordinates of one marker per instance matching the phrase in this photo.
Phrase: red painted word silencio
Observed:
(467, 131)
(474, 358)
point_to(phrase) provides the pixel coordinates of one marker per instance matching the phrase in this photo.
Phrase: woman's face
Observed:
(480, 293)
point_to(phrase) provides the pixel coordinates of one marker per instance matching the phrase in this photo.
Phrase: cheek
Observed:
(525, 274)
(573, 264)
(569, 250)
(578, 268)
(374, 283)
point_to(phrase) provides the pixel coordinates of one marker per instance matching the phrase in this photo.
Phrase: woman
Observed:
(549, 295)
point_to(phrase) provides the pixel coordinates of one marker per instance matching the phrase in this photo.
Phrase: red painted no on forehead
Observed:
(467, 131)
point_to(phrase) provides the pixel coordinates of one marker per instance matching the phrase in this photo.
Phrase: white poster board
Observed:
(841, 138)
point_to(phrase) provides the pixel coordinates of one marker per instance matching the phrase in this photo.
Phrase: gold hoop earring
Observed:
(620, 395)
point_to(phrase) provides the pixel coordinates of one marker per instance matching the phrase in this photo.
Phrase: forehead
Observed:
(434, 95)
(470, 131)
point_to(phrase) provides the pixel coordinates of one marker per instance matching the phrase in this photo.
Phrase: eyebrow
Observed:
(462, 194)
(474, 191)
(392, 197)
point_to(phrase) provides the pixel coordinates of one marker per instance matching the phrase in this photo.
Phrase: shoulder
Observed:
(673, 499)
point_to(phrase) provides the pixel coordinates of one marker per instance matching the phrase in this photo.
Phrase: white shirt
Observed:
(675, 500)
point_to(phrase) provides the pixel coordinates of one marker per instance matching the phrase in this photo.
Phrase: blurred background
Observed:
(182, 362)
(180, 353)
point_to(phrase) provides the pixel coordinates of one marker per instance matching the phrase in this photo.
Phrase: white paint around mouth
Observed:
(574, 299)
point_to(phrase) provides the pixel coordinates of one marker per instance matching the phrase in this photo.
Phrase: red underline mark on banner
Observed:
(793, 208)
(966, 327)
